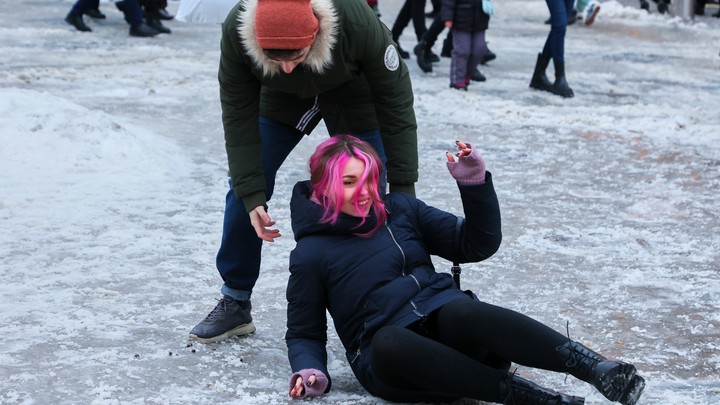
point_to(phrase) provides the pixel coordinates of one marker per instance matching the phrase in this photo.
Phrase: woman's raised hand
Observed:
(470, 166)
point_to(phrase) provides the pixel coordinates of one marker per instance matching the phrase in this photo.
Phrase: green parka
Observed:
(352, 78)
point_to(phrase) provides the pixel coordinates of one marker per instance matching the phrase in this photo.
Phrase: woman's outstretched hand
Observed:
(308, 382)
(470, 166)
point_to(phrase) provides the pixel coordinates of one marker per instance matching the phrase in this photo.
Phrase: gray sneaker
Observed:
(229, 318)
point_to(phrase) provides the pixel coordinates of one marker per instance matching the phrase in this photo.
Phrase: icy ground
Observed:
(113, 177)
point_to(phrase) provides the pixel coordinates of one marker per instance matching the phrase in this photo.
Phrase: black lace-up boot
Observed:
(616, 380)
(518, 391)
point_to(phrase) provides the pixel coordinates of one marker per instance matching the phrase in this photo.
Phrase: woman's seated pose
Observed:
(410, 335)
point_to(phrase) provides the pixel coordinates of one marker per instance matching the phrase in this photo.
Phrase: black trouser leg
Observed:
(410, 367)
(464, 324)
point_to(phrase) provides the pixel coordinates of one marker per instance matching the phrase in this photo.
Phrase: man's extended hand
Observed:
(261, 221)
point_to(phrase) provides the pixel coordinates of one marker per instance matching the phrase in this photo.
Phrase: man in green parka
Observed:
(284, 66)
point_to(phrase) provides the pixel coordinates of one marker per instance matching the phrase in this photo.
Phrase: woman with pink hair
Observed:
(409, 333)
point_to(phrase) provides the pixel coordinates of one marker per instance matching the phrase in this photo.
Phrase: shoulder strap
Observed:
(455, 269)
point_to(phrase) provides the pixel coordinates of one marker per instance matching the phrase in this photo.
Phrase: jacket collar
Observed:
(318, 58)
(305, 216)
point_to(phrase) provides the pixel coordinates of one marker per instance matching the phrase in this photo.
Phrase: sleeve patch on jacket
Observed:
(392, 59)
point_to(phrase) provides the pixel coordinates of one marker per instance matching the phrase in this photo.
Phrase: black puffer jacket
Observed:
(466, 15)
(385, 279)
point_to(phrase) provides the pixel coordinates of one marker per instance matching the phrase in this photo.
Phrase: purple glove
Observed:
(468, 170)
(317, 389)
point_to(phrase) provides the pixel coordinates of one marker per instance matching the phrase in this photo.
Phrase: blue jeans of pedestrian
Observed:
(238, 259)
(560, 11)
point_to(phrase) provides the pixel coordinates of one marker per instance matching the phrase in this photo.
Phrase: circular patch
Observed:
(392, 59)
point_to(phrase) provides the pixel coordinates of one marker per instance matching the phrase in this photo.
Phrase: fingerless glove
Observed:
(318, 388)
(468, 170)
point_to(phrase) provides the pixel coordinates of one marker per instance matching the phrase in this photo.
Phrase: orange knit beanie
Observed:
(285, 24)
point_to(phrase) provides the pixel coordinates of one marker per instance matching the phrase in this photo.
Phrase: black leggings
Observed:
(462, 350)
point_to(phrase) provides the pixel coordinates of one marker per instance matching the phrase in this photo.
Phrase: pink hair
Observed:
(326, 176)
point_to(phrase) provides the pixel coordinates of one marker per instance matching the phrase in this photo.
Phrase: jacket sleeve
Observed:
(306, 335)
(240, 102)
(479, 235)
(447, 10)
(392, 95)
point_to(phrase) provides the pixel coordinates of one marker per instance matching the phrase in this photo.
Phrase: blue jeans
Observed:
(554, 47)
(238, 259)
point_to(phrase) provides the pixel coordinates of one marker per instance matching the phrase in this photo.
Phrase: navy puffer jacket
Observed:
(385, 279)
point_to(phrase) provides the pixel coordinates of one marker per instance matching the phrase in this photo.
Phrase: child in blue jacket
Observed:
(410, 335)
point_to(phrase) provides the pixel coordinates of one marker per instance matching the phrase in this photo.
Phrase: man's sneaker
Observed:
(591, 11)
(229, 318)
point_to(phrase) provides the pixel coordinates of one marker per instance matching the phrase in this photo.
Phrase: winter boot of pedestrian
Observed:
(645, 5)
(154, 22)
(539, 79)
(489, 56)
(662, 6)
(561, 87)
(519, 391)
(617, 381)
(459, 86)
(76, 20)
(477, 76)
(423, 61)
(142, 30)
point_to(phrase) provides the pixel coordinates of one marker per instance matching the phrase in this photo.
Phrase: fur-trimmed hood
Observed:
(320, 55)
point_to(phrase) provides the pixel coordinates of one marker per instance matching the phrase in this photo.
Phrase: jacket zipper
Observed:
(402, 252)
(359, 344)
(417, 283)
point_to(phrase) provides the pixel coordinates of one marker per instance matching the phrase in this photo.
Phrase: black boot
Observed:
(143, 30)
(477, 75)
(76, 21)
(489, 56)
(539, 79)
(645, 5)
(163, 14)
(519, 391)
(561, 87)
(616, 380)
(154, 22)
(423, 60)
